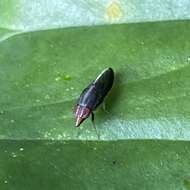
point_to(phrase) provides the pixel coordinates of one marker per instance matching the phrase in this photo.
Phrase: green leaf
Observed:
(93, 165)
(51, 50)
(149, 100)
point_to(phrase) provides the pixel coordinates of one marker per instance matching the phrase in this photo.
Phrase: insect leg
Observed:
(78, 132)
(92, 114)
(104, 107)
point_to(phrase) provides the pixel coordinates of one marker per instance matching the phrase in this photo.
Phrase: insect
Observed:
(92, 96)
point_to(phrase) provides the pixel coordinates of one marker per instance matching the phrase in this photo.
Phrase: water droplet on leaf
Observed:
(12, 121)
(58, 78)
(67, 77)
(2, 112)
(27, 85)
(13, 155)
(47, 97)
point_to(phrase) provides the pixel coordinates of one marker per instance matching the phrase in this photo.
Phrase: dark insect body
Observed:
(92, 96)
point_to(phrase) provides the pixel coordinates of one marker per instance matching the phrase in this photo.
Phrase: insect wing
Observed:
(104, 82)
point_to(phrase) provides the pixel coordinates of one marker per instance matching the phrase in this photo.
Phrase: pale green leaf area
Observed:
(51, 50)
(26, 15)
